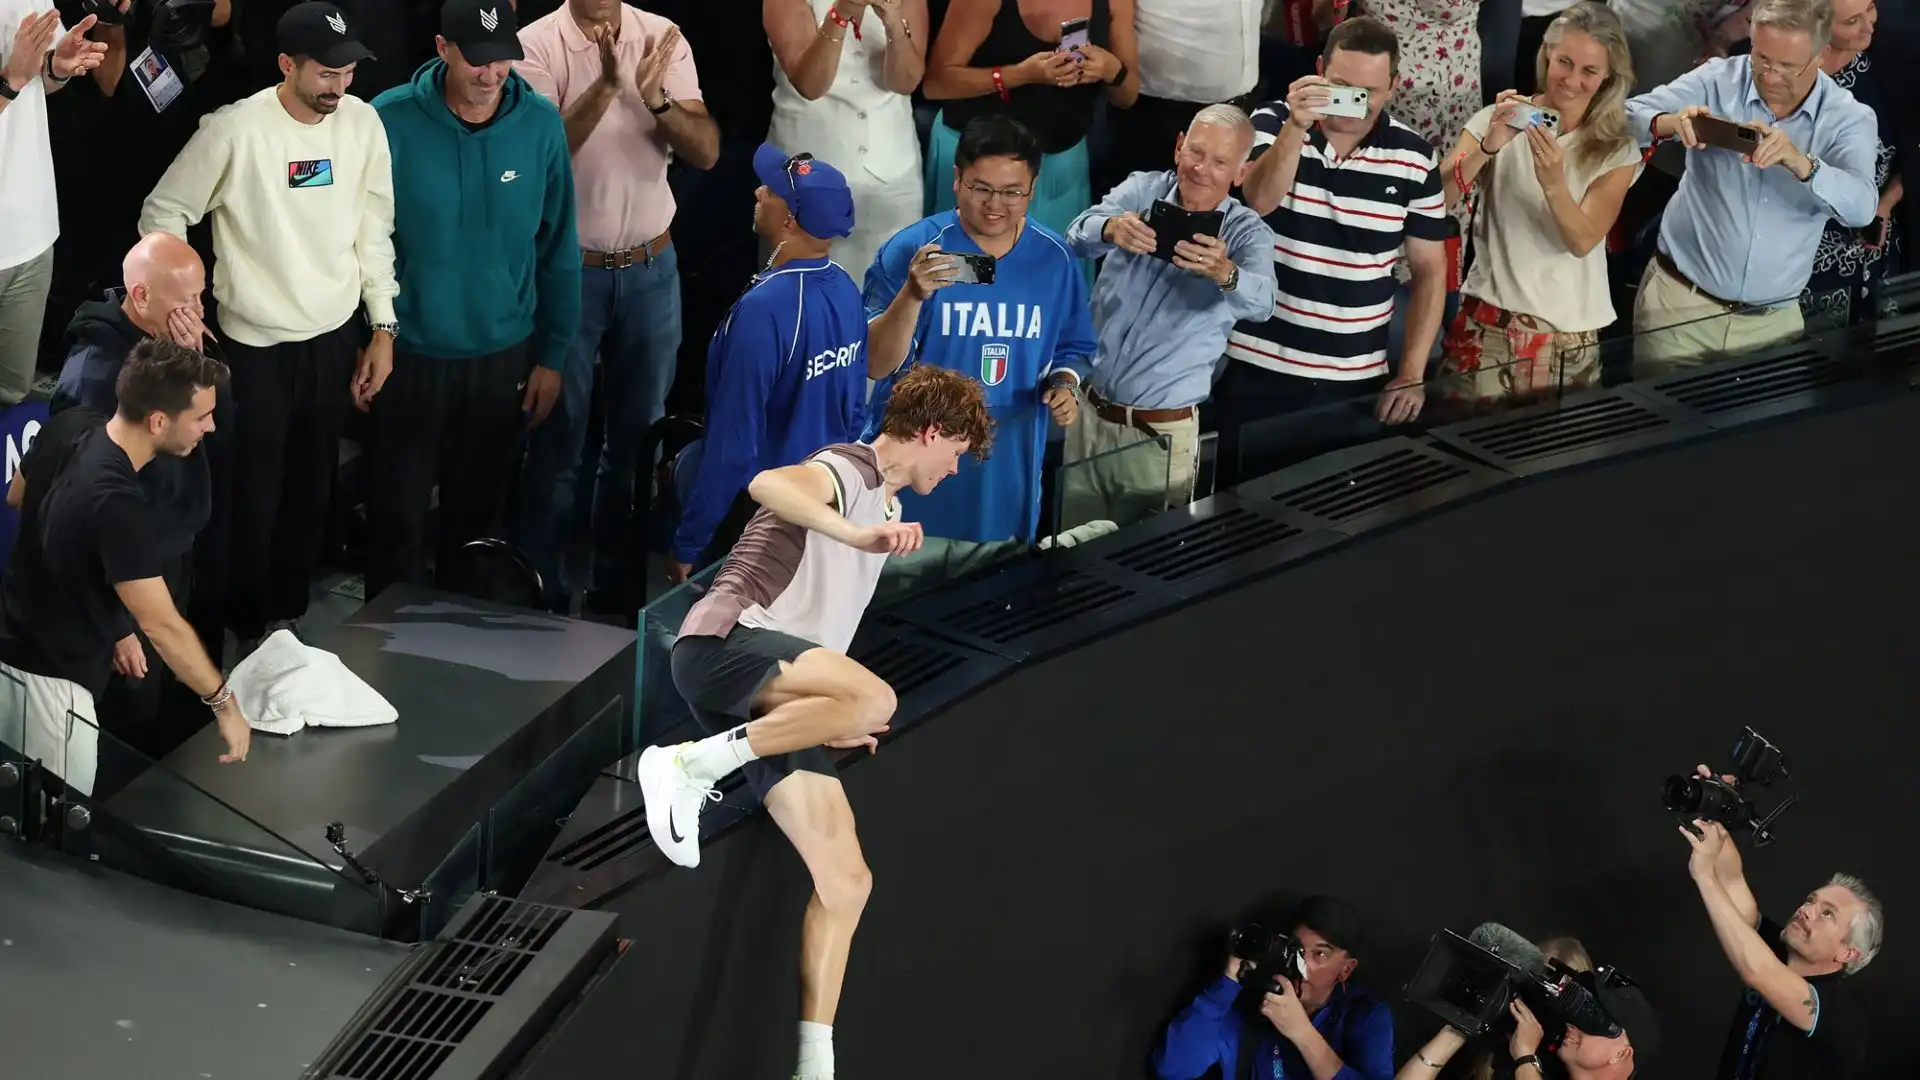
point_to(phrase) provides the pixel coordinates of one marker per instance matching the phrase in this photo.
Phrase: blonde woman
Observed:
(1548, 193)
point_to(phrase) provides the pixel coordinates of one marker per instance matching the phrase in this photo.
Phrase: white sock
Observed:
(717, 755)
(816, 1051)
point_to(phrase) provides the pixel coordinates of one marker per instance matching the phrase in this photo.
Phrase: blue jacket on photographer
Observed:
(1323, 1029)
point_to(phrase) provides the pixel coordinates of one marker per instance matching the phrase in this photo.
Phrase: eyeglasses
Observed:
(986, 194)
(1774, 67)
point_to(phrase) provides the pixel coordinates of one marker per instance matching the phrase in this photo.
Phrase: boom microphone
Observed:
(1511, 947)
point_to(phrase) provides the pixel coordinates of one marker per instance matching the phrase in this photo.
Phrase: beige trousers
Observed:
(1119, 473)
(1676, 328)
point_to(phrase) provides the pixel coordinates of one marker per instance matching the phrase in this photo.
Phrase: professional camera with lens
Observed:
(1266, 956)
(1756, 763)
(1469, 982)
(177, 29)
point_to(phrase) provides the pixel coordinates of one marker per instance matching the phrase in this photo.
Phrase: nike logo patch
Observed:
(509, 176)
(673, 829)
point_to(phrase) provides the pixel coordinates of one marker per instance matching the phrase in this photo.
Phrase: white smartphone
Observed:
(1350, 101)
(1074, 35)
(1530, 115)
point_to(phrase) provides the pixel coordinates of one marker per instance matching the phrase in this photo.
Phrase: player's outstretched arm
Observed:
(807, 496)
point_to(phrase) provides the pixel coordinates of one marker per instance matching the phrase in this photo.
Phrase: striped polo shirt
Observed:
(1337, 235)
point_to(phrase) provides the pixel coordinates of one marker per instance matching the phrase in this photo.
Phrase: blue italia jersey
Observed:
(1011, 335)
(786, 375)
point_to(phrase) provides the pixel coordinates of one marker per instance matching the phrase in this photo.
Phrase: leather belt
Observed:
(620, 260)
(1139, 419)
(1672, 271)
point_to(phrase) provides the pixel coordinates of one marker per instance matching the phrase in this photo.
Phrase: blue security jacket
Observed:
(483, 234)
(1208, 1033)
(786, 375)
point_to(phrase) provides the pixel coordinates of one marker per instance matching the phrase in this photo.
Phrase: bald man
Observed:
(163, 278)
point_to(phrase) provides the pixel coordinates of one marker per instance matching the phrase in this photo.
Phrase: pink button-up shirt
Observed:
(620, 172)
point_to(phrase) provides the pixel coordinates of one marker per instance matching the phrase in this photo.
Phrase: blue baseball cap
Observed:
(816, 192)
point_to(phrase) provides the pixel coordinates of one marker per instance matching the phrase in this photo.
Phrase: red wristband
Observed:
(1000, 84)
(1460, 175)
(843, 22)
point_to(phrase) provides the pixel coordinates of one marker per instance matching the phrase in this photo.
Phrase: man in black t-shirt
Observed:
(93, 570)
(1798, 1019)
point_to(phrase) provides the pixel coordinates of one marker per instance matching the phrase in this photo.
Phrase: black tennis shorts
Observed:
(720, 677)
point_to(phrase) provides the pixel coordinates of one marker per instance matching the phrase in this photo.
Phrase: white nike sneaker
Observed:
(674, 801)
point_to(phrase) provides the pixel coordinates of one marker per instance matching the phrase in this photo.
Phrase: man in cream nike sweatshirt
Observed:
(299, 185)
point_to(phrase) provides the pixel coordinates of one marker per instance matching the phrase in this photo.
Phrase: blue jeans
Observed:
(630, 327)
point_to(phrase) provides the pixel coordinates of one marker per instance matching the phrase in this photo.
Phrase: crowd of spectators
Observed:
(1180, 242)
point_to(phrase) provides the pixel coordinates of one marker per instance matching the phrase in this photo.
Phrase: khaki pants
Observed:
(1676, 328)
(1111, 476)
(51, 720)
(23, 306)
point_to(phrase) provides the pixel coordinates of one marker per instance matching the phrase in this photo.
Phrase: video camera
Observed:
(173, 26)
(1469, 982)
(1755, 762)
(1266, 956)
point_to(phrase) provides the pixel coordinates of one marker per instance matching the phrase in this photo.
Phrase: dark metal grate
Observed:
(1760, 382)
(465, 972)
(1073, 595)
(1371, 485)
(1903, 343)
(906, 664)
(1569, 428)
(1204, 545)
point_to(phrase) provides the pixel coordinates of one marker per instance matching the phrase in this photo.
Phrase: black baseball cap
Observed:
(1628, 1007)
(485, 30)
(1333, 919)
(320, 31)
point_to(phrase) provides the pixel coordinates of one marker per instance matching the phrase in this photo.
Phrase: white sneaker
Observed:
(674, 801)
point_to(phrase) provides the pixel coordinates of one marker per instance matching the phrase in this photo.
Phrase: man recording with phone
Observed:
(1346, 189)
(986, 291)
(1798, 1017)
(1775, 148)
(1165, 300)
(1313, 1022)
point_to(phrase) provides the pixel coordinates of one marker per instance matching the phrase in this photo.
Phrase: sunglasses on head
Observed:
(797, 166)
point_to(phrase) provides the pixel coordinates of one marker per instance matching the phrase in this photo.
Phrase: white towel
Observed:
(287, 685)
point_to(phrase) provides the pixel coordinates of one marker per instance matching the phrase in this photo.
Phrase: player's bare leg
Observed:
(812, 810)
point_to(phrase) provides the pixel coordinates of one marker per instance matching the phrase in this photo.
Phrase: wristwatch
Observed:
(392, 329)
(7, 92)
(1233, 280)
(666, 102)
(1527, 1059)
(1813, 169)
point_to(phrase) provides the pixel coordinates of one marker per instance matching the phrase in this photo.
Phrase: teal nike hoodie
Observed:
(483, 236)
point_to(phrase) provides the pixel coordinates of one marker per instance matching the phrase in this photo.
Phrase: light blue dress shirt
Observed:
(1162, 329)
(1746, 234)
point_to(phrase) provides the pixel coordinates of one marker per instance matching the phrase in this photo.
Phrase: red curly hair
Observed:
(952, 404)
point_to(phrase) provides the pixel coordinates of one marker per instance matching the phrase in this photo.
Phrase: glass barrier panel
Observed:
(13, 757)
(657, 707)
(1702, 338)
(457, 878)
(148, 821)
(524, 823)
(1120, 486)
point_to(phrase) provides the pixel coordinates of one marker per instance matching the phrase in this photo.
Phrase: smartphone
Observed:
(1172, 223)
(973, 269)
(1726, 135)
(1529, 115)
(1073, 35)
(1873, 237)
(1345, 101)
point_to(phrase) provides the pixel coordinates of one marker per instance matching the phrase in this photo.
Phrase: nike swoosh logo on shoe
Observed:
(673, 828)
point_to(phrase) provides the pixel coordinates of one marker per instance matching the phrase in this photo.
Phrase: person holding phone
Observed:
(1851, 263)
(1007, 58)
(1022, 328)
(1738, 241)
(1549, 173)
(1163, 322)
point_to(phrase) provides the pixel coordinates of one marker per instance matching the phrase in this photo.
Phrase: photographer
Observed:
(1585, 1056)
(1323, 1027)
(1798, 1017)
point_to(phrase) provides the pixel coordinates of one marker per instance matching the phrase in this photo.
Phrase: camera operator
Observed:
(1584, 1056)
(1323, 1027)
(1798, 1017)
